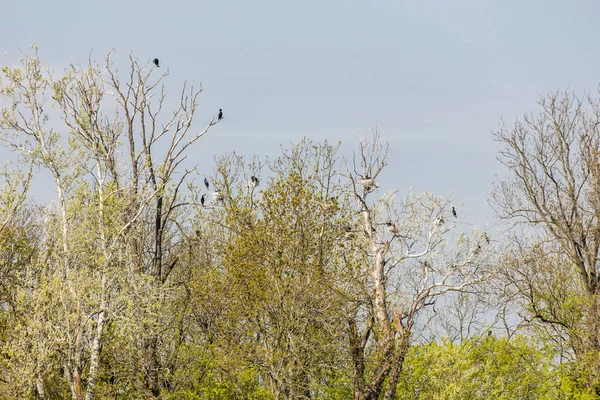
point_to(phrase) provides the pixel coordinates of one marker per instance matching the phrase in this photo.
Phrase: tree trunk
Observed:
(97, 344)
(401, 351)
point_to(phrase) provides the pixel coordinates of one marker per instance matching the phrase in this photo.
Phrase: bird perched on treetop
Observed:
(202, 200)
(454, 212)
(155, 61)
(254, 179)
(220, 114)
(206, 183)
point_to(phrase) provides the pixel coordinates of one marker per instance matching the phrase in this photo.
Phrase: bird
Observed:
(155, 61)
(454, 212)
(220, 114)
(254, 179)
(218, 196)
(392, 227)
(206, 183)
(367, 183)
(202, 200)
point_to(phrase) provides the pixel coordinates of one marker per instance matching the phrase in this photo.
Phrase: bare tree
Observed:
(553, 192)
(411, 256)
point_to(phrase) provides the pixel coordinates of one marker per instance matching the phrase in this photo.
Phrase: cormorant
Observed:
(202, 200)
(454, 212)
(254, 179)
(206, 183)
(155, 61)
(220, 114)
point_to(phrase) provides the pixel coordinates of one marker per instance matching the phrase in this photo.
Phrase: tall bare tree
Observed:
(413, 253)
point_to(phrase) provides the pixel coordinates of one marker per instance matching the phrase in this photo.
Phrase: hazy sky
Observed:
(435, 76)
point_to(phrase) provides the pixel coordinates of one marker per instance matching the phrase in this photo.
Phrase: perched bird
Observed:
(367, 183)
(391, 227)
(454, 212)
(206, 183)
(254, 179)
(218, 196)
(155, 61)
(202, 200)
(220, 114)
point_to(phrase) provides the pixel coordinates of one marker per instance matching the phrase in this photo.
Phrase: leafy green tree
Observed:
(487, 368)
(111, 236)
(282, 279)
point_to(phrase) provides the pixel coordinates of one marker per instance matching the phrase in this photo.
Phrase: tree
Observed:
(419, 243)
(113, 230)
(281, 281)
(553, 188)
(487, 368)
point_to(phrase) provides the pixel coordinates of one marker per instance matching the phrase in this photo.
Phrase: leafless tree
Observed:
(553, 192)
(412, 255)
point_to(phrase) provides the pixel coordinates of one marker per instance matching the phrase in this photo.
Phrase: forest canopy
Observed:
(295, 277)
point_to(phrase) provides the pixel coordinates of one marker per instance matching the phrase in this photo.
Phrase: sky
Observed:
(435, 77)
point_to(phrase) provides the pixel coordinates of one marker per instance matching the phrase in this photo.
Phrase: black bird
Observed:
(202, 200)
(155, 61)
(220, 114)
(454, 212)
(254, 179)
(206, 183)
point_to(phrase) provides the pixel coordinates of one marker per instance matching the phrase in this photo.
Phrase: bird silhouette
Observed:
(155, 61)
(454, 212)
(202, 200)
(206, 183)
(220, 114)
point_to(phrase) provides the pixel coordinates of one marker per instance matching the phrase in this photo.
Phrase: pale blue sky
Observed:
(436, 76)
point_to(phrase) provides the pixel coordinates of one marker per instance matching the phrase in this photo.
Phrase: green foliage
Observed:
(489, 368)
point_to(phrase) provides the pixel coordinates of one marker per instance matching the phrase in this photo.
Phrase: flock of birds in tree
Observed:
(218, 196)
(368, 184)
